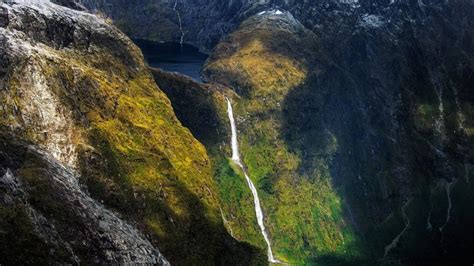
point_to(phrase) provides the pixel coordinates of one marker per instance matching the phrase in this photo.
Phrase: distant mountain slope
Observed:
(356, 123)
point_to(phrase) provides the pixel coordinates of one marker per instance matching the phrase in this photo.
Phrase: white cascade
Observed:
(439, 123)
(460, 116)
(179, 22)
(395, 241)
(449, 186)
(256, 200)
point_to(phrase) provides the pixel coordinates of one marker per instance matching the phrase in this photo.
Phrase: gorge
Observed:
(212, 132)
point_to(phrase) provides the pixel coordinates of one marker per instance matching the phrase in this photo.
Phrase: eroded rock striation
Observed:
(53, 212)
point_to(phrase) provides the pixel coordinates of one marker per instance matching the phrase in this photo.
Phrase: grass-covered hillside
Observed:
(355, 159)
(78, 88)
(264, 61)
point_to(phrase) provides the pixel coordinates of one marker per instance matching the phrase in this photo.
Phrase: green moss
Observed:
(237, 203)
(160, 161)
(134, 154)
(304, 214)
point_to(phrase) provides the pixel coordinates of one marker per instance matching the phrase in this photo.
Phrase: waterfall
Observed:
(256, 200)
(439, 123)
(179, 22)
(449, 186)
(460, 116)
(395, 241)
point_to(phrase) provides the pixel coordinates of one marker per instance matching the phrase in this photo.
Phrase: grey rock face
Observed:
(60, 27)
(82, 226)
(203, 22)
(47, 216)
(33, 34)
(74, 4)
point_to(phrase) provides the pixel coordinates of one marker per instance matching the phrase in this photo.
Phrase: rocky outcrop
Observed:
(76, 228)
(201, 23)
(33, 37)
(74, 4)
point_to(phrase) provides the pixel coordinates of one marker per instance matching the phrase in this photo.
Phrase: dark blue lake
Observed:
(186, 60)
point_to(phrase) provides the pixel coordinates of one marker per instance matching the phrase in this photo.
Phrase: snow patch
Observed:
(271, 12)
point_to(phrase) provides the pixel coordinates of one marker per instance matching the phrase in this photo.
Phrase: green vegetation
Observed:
(134, 154)
(237, 203)
(304, 214)
(202, 108)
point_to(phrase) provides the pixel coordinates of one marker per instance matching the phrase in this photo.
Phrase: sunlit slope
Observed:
(78, 88)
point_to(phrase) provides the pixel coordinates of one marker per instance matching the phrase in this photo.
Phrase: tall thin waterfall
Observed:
(179, 22)
(256, 200)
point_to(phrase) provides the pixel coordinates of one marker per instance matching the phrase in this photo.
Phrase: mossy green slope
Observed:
(202, 108)
(304, 214)
(131, 151)
(354, 150)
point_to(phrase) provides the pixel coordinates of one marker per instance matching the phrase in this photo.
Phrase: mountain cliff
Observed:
(95, 166)
(356, 124)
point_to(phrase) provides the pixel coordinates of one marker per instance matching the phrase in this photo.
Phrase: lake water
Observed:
(186, 60)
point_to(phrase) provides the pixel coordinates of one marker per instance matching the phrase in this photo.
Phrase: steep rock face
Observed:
(77, 88)
(200, 107)
(203, 109)
(358, 132)
(45, 211)
(198, 22)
